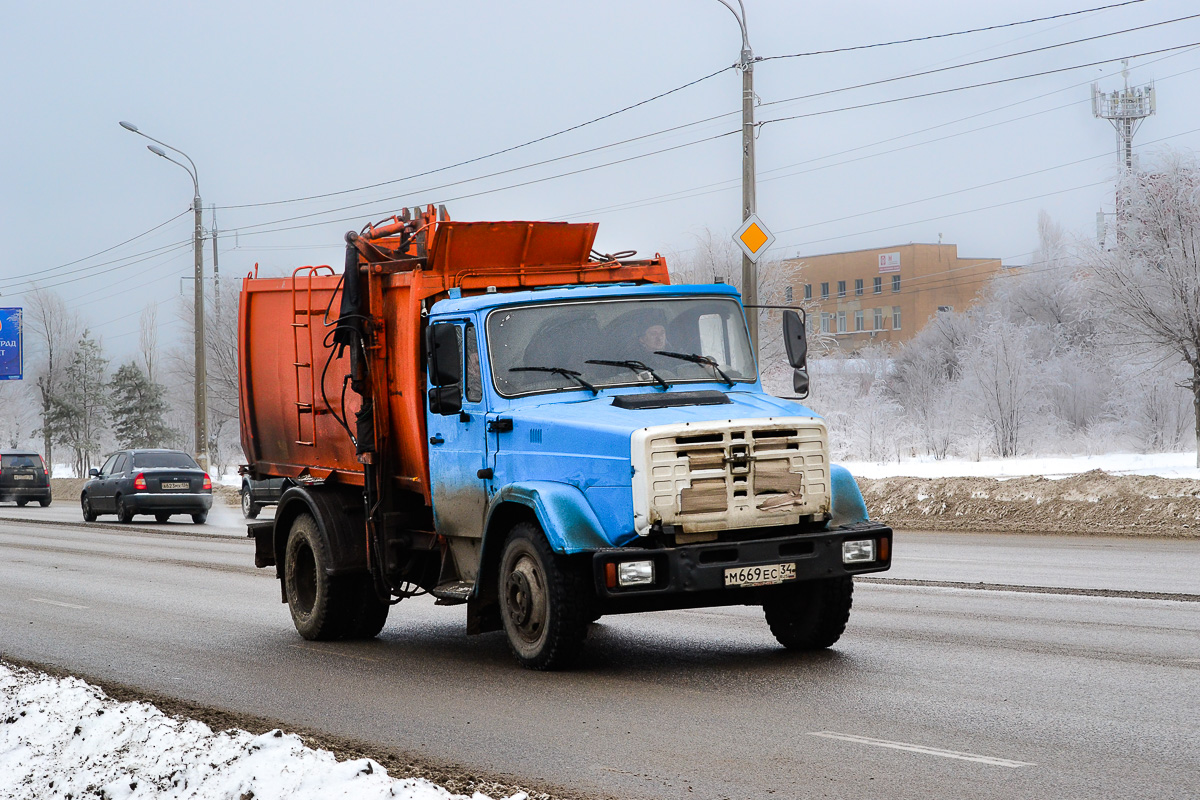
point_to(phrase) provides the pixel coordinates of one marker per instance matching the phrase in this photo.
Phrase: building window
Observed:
(787, 294)
(824, 291)
(895, 283)
(858, 320)
(878, 319)
(841, 322)
(877, 285)
(825, 322)
(841, 288)
(895, 318)
(808, 291)
(858, 287)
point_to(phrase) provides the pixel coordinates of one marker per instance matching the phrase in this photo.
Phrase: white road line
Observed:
(55, 603)
(920, 748)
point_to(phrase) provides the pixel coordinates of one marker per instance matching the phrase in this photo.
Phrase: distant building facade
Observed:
(887, 294)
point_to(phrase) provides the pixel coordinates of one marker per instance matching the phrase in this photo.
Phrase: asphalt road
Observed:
(934, 691)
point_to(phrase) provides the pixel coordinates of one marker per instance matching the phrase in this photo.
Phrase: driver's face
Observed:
(655, 338)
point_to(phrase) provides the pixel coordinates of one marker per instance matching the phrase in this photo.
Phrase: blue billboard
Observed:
(11, 357)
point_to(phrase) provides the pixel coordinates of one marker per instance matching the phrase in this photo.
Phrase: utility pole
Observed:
(749, 204)
(1125, 109)
(216, 269)
(201, 372)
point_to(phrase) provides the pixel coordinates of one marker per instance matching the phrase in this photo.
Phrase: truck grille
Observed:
(734, 474)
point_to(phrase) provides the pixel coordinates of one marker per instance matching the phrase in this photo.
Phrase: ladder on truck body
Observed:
(306, 391)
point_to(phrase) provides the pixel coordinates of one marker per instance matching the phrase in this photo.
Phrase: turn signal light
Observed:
(207, 483)
(140, 481)
(885, 549)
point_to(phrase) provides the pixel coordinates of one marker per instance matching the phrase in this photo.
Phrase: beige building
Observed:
(887, 294)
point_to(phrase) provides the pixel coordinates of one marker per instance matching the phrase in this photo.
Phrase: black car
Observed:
(257, 493)
(158, 482)
(24, 477)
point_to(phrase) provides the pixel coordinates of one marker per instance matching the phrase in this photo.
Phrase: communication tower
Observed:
(1125, 109)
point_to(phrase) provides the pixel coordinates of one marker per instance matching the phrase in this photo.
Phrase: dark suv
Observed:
(24, 477)
(158, 482)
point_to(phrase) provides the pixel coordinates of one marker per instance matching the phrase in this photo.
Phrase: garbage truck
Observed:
(499, 416)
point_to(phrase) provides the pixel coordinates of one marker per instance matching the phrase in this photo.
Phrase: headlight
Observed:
(858, 551)
(635, 573)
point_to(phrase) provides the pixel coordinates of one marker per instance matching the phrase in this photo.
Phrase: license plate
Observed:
(175, 485)
(23, 477)
(760, 576)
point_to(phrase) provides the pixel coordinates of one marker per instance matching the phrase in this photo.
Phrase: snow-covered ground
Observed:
(64, 738)
(1166, 465)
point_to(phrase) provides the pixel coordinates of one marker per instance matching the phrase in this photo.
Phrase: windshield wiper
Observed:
(636, 366)
(707, 361)
(570, 373)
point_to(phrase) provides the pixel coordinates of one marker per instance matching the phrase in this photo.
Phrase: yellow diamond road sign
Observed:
(753, 238)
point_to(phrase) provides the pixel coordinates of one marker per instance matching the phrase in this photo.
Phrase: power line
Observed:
(947, 35)
(151, 253)
(489, 155)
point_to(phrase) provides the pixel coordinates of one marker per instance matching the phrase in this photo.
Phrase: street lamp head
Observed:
(129, 126)
(158, 151)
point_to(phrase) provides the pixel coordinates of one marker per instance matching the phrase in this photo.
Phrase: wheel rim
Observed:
(304, 579)
(87, 507)
(526, 599)
(121, 514)
(245, 504)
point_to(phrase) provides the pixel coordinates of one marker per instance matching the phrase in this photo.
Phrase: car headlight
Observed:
(635, 573)
(858, 551)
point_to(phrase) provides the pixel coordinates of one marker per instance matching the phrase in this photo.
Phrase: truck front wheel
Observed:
(541, 601)
(317, 602)
(810, 616)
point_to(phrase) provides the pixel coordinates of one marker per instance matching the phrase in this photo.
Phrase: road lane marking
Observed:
(920, 748)
(55, 603)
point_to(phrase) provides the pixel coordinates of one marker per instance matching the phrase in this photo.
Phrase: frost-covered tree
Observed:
(77, 417)
(1149, 283)
(1001, 379)
(136, 406)
(54, 329)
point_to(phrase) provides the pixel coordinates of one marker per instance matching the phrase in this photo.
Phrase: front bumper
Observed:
(693, 576)
(176, 502)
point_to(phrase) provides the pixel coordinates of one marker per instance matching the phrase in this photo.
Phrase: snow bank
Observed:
(1163, 465)
(64, 738)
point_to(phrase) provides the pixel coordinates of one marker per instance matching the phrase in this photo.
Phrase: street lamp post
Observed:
(749, 203)
(201, 373)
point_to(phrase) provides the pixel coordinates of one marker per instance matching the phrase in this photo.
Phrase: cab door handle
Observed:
(436, 440)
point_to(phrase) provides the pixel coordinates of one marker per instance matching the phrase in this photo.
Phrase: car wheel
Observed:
(810, 616)
(200, 518)
(161, 517)
(45, 501)
(124, 514)
(86, 504)
(542, 601)
(250, 508)
(22, 502)
(320, 606)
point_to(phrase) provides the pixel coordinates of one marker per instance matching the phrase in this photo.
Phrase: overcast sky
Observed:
(278, 101)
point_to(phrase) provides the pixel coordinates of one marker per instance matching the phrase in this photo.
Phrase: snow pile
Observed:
(1164, 465)
(64, 738)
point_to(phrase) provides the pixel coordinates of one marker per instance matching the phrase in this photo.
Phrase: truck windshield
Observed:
(566, 336)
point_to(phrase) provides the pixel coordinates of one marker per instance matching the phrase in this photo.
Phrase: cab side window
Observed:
(472, 378)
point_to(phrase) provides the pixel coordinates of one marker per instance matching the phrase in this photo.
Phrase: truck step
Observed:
(452, 593)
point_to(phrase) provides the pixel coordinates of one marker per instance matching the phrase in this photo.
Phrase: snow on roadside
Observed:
(64, 738)
(1164, 465)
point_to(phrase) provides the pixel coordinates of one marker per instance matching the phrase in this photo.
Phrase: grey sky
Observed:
(276, 101)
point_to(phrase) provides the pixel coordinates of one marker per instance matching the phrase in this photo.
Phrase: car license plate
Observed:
(175, 485)
(23, 477)
(760, 576)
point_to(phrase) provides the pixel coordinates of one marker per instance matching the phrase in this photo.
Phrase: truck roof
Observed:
(461, 305)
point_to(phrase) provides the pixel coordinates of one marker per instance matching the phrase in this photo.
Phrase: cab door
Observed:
(456, 425)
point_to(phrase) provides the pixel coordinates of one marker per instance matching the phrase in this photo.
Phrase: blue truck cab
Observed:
(604, 449)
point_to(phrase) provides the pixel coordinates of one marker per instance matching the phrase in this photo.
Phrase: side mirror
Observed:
(444, 349)
(796, 341)
(93, 473)
(445, 400)
(800, 383)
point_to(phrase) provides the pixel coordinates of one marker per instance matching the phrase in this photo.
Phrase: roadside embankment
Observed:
(1092, 503)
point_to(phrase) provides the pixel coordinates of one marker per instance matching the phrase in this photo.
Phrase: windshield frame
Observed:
(573, 387)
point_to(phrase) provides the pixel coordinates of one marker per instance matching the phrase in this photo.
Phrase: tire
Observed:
(21, 503)
(200, 518)
(542, 601)
(161, 517)
(88, 514)
(44, 501)
(250, 508)
(124, 515)
(367, 613)
(810, 616)
(320, 606)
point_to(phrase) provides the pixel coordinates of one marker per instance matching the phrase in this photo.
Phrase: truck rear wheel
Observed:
(320, 605)
(541, 601)
(810, 616)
